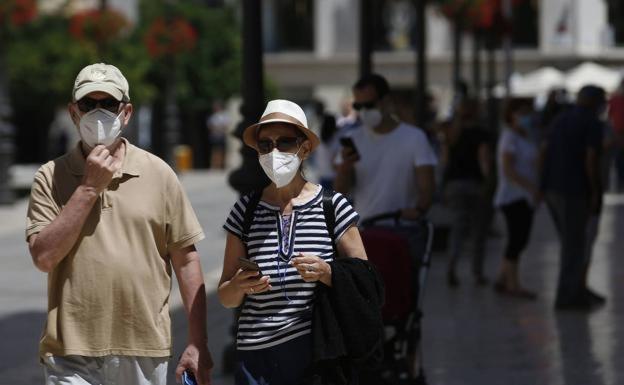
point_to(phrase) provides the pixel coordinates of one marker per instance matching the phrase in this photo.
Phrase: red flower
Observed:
(170, 37)
(17, 12)
(484, 14)
(100, 26)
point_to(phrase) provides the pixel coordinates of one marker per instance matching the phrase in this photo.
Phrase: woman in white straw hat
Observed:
(283, 231)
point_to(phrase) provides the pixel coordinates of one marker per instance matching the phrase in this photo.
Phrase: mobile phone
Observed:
(247, 265)
(346, 141)
(188, 378)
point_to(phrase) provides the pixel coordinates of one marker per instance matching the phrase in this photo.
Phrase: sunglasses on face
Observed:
(88, 104)
(283, 144)
(365, 105)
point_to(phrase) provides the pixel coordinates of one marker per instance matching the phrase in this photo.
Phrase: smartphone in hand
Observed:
(347, 142)
(248, 265)
(188, 378)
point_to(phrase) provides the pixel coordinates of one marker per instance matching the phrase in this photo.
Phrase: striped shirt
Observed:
(284, 312)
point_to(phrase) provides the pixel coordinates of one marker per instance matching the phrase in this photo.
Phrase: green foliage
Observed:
(211, 70)
(42, 62)
(43, 58)
(44, 55)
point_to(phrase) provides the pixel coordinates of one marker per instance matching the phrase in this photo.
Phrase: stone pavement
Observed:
(471, 334)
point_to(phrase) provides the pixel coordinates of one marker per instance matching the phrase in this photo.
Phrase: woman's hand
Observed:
(250, 282)
(312, 268)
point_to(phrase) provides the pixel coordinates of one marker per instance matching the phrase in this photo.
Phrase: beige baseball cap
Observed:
(101, 77)
(282, 111)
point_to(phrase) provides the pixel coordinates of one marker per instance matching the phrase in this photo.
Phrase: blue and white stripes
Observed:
(283, 313)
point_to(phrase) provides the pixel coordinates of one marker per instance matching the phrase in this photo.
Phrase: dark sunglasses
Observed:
(366, 105)
(283, 144)
(88, 104)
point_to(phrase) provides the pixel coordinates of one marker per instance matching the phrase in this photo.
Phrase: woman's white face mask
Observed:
(280, 167)
(100, 126)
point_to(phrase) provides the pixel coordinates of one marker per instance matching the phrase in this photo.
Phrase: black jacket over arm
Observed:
(347, 328)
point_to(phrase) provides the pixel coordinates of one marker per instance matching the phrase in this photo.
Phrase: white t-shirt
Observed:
(525, 162)
(385, 177)
(324, 157)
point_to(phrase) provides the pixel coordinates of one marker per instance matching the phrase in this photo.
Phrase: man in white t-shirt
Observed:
(392, 166)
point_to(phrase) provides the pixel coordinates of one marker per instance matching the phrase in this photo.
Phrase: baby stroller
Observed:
(401, 253)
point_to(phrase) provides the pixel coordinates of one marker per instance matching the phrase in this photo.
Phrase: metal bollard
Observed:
(183, 155)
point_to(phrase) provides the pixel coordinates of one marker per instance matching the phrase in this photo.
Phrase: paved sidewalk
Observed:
(472, 336)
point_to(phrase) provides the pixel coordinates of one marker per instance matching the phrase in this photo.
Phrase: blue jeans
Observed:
(284, 364)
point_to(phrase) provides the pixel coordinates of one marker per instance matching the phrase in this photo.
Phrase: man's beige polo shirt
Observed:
(110, 295)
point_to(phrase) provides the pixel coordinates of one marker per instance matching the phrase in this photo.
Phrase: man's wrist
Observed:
(200, 342)
(87, 191)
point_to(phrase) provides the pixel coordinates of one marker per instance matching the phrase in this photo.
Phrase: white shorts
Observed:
(108, 370)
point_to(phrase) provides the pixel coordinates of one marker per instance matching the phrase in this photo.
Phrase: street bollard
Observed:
(183, 155)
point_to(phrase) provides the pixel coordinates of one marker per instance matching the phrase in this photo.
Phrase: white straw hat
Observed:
(281, 111)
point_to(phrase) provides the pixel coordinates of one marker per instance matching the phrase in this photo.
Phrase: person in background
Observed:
(556, 103)
(391, 166)
(218, 124)
(616, 118)
(517, 193)
(571, 187)
(468, 167)
(327, 151)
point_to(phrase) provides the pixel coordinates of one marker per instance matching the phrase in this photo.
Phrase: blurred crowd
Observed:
(564, 153)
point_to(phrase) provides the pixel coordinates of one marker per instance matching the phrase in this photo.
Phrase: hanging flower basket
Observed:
(478, 14)
(98, 25)
(170, 37)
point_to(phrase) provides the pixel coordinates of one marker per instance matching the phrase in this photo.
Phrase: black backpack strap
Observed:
(254, 199)
(330, 217)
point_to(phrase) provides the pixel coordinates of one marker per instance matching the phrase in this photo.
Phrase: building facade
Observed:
(311, 46)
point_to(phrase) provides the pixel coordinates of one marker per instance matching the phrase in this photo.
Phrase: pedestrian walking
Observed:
(517, 193)
(468, 162)
(109, 223)
(295, 239)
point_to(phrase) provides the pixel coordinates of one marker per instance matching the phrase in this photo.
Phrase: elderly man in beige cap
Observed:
(109, 222)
